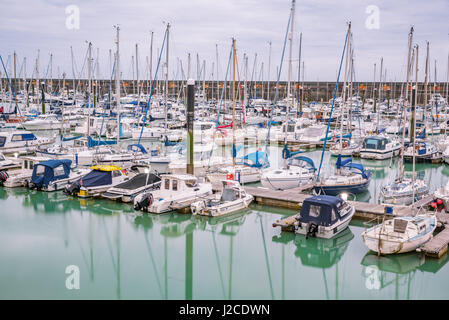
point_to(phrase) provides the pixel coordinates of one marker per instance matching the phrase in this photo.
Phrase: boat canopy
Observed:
(296, 160)
(47, 171)
(347, 163)
(93, 143)
(322, 210)
(258, 159)
(375, 143)
(96, 178)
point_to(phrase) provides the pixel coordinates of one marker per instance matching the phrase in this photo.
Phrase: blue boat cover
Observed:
(93, 143)
(286, 153)
(96, 178)
(137, 147)
(318, 209)
(258, 159)
(307, 160)
(44, 172)
(347, 163)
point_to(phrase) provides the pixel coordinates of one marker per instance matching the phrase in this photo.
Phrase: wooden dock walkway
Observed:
(438, 245)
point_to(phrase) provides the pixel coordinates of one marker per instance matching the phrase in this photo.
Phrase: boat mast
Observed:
(89, 76)
(117, 81)
(269, 66)
(290, 36)
(298, 91)
(404, 108)
(166, 80)
(414, 102)
(233, 102)
(343, 101)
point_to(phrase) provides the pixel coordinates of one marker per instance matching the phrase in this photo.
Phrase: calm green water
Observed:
(122, 255)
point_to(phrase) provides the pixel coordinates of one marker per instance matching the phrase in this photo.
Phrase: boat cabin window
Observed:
(334, 215)
(191, 183)
(59, 170)
(116, 173)
(40, 170)
(2, 141)
(167, 184)
(314, 211)
(16, 137)
(2, 158)
(174, 185)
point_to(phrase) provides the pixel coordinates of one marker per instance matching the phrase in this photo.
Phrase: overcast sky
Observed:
(198, 25)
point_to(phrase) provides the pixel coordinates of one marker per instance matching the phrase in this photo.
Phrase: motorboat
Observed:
(424, 152)
(128, 190)
(98, 180)
(349, 178)
(443, 194)
(43, 122)
(379, 148)
(400, 234)
(177, 192)
(21, 142)
(52, 175)
(20, 177)
(323, 216)
(232, 198)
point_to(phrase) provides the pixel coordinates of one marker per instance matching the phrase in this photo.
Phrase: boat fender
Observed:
(3, 177)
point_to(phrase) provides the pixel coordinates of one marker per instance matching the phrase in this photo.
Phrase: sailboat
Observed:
(349, 178)
(400, 234)
(405, 190)
(295, 171)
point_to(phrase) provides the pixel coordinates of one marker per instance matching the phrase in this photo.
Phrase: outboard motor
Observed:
(312, 229)
(3, 177)
(72, 188)
(143, 202)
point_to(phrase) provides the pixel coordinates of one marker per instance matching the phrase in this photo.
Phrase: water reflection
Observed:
(398, 271)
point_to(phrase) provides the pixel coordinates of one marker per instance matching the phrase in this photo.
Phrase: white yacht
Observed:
(176, 192)
(21, 142)
(44, 122)
(232, 198)
(379, 148)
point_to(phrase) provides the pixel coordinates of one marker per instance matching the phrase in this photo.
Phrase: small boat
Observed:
(8, 164)
(43, 122)
(128, 190)
(97, 181)
(400, 192)
(52, 175)
(177, 191)
(400, 234)
(323, 216)
(232, 198)
(424, 152)
(300, 171)
(21, 142)
(346, 148)
(350, 177)
(21, 176)
(379, 148)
